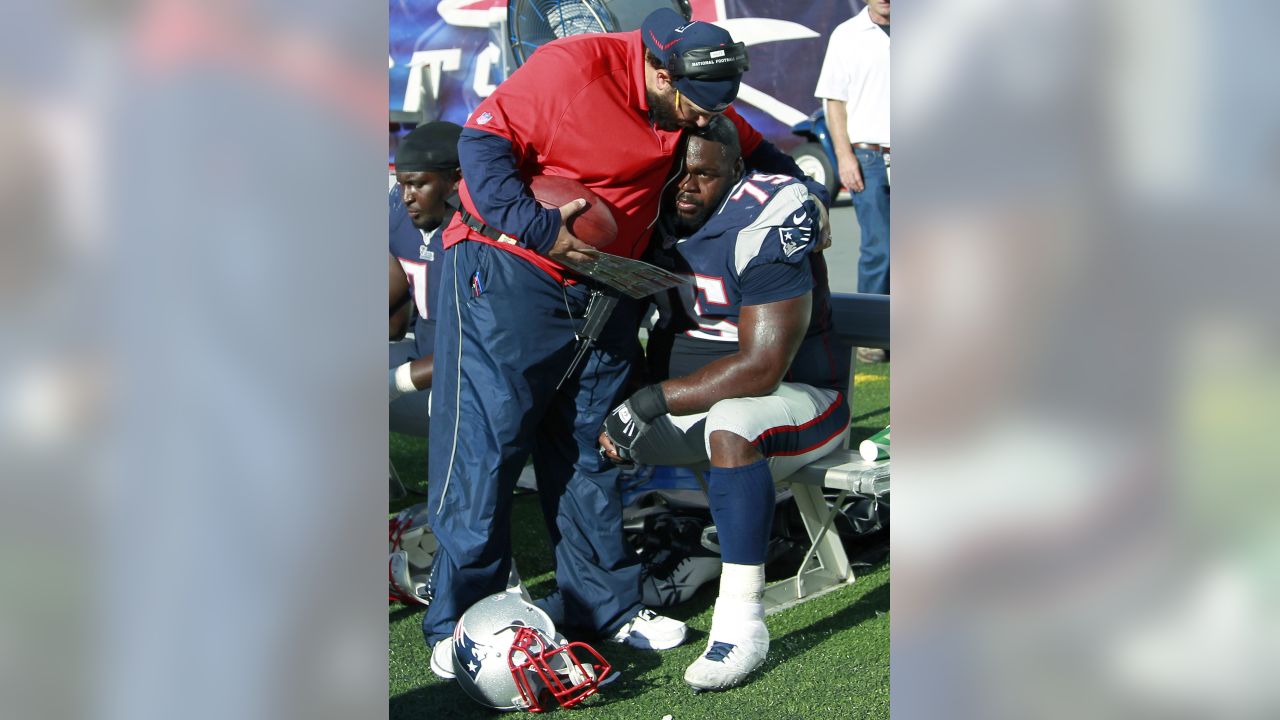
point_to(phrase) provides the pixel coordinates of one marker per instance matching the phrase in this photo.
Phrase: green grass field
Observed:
(829, 657)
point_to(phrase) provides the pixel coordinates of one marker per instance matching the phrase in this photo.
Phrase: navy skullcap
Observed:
(433, 146)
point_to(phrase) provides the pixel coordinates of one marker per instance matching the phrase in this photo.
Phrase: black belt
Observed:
(872, 146)
(474, 223)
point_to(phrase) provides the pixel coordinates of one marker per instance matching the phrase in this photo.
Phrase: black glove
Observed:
(628, 421)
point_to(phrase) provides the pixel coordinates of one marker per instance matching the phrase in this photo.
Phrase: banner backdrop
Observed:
(449, 48)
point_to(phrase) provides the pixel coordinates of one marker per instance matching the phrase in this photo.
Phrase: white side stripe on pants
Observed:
(457, 387)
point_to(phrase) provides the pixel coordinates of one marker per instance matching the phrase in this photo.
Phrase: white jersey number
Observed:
(712, 288)
(417, 272)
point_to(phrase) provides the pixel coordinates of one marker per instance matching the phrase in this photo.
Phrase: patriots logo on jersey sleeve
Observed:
(795, 235)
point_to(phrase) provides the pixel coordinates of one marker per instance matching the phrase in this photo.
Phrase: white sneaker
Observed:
(738, 645)
(442, 659)
(651, 631)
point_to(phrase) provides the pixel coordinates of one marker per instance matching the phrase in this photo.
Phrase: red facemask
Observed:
(544, 671)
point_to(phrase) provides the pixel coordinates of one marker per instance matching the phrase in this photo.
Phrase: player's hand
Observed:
(621, 431)
(824, 225)
(607, 449)
(851, 174)
(628, 422)
(566, 245)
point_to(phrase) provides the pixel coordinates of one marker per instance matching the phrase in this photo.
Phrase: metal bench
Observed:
(861, 320)
(825, 566)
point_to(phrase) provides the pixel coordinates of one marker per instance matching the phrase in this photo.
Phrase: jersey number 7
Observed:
(417, 273)
(759, 195)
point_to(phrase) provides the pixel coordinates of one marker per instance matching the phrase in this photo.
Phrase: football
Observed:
(594, 225)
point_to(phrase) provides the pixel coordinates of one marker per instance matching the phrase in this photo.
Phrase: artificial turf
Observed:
(828, 658)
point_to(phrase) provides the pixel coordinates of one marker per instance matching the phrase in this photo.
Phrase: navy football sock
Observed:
(741, 501)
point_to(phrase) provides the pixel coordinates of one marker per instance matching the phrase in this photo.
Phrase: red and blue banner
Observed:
(453, 49)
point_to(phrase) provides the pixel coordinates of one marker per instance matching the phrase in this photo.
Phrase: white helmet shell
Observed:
(411, 549)
(507, 655)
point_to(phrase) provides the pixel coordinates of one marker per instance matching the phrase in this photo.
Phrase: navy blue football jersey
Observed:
(756, 248)
(418, 253)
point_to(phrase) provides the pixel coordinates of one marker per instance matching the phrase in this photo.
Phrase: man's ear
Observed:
(664, 78)
(454, 180)
(739, 167)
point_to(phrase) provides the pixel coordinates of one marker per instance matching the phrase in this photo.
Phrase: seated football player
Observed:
(756, 386)
(427, 173)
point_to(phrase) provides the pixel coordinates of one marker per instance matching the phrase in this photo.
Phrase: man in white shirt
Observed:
(855, 85)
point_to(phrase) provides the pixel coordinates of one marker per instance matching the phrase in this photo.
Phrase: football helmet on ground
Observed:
(507, 655)
(411, 547)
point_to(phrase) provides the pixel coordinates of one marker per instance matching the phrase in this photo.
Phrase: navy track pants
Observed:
(505, 337)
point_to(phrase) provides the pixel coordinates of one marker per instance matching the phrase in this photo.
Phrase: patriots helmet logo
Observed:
(464, 652)
(794, 239)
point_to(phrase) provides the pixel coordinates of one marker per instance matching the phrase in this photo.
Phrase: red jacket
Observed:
(577, 108)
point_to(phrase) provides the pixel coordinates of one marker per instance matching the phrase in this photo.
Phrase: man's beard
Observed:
(687, 226)
(663, 112)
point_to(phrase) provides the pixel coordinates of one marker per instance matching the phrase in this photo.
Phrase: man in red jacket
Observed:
(606, 110)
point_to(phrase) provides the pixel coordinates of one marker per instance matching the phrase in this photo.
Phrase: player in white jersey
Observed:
(756, 384)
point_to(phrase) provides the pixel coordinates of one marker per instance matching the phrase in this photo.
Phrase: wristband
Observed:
(648, 403)
(404, 379)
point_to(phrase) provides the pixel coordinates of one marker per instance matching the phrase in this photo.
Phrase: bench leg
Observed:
(397, 489)
(831, 569)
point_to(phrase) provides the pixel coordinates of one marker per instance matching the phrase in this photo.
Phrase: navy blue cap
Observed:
(668, 36)
(433, 146)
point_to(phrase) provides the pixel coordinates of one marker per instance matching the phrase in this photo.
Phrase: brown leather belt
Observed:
(872, 146)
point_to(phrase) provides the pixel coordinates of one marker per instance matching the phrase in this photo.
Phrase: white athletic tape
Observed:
(404, 379)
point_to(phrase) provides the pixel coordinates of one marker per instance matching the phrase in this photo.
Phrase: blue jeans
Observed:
(872, 208)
